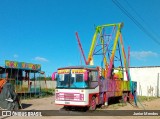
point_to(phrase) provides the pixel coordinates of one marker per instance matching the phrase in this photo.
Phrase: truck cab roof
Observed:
(79, 67)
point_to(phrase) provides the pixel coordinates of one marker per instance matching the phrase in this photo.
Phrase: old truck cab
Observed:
(76, 86)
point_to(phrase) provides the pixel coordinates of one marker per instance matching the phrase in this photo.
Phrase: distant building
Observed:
(148, 80)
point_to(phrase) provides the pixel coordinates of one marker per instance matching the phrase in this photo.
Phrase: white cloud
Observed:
(15, 56)
(143, 54)
(42, 59)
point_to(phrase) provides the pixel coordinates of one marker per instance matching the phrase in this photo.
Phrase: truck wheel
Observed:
(67, 108)
(124, 97)
(131, 98)
(92, 104)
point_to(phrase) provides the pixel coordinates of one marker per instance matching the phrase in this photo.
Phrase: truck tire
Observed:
(124, 97)
(92, 104)
(131, 97)
(104, 100)
(66, 108)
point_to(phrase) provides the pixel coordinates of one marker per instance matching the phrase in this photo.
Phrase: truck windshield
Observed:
(73, 81)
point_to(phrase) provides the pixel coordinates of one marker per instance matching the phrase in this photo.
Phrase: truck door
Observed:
(93, 79)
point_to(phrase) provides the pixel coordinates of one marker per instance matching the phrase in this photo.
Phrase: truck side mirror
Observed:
(86, 75)
(54, 76)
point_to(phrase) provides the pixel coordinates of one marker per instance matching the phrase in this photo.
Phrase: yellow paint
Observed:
(63, 71)
(114, 47)
(125, 86)
(99, 31)
(78, 71)
(118, 93)
(93, 45)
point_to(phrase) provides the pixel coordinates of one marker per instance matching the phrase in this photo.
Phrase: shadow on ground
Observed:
(25, 105)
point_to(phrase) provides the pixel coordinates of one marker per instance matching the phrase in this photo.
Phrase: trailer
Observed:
(90, 85)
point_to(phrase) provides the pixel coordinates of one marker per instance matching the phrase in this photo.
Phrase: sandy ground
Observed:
(48, 104)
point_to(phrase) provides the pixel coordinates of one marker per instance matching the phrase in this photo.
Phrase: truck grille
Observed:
(69, 96)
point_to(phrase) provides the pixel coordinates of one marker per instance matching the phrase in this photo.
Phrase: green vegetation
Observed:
(146, 98)
(47, 92)
(49, 78)
(43, 93)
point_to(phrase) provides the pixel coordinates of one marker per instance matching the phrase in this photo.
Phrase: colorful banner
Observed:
(22, 65)
(73, 71)
(78, 71)
(63, 71)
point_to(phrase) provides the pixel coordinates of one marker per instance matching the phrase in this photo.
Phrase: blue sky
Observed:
(43, 31)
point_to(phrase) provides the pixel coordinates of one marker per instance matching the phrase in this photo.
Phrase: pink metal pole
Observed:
(80, 46)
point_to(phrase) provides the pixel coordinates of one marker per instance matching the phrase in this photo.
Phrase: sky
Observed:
(43, 31)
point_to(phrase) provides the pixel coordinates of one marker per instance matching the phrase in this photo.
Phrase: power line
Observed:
(138, 15)
(134, 11)
(124, 11)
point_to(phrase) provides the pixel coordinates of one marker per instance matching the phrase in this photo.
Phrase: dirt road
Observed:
(48, 104)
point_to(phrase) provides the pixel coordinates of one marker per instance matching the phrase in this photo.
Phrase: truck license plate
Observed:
(67, 102)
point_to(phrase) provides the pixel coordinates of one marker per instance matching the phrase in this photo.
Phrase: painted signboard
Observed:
(78, 71)
(73, 71)
(22, 65)
(63, 71)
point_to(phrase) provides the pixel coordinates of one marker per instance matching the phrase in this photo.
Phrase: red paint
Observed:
(104, 97)
(81, 49)
(90, 98)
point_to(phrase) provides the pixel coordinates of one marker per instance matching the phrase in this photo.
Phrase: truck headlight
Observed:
(81, 96)
(57, 96)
